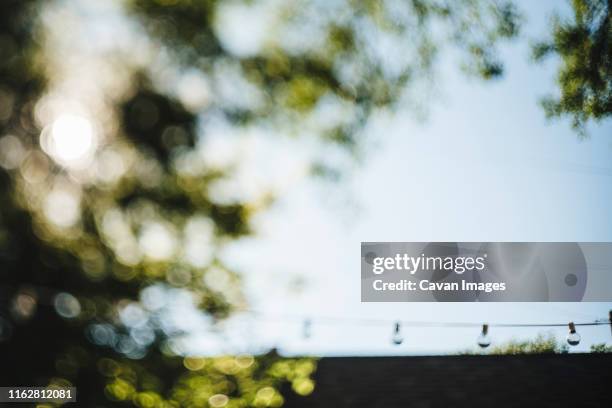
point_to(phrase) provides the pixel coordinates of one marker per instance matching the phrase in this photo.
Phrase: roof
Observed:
(545, 380)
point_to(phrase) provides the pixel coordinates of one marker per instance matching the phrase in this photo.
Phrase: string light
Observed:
(331, 320)
(484, 340)
(306, 328)
(573, 338)
(397, 337)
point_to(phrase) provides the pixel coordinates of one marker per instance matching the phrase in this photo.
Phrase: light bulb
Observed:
(397, 337)
(573, 338)
(306, 329)
(484, 340)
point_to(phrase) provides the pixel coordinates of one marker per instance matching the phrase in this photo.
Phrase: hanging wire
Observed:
(334, 320)
(569, 313)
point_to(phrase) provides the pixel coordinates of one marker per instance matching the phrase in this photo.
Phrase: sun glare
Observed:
(71, 139)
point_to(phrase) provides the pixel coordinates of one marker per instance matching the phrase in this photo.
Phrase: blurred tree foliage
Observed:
(585, 75)
(601, 348)
(361, 54)
(540, 345)
(85, 287)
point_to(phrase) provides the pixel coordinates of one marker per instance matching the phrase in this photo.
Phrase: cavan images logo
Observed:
(485, 272)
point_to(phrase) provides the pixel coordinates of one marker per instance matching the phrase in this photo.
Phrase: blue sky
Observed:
(485, 165)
